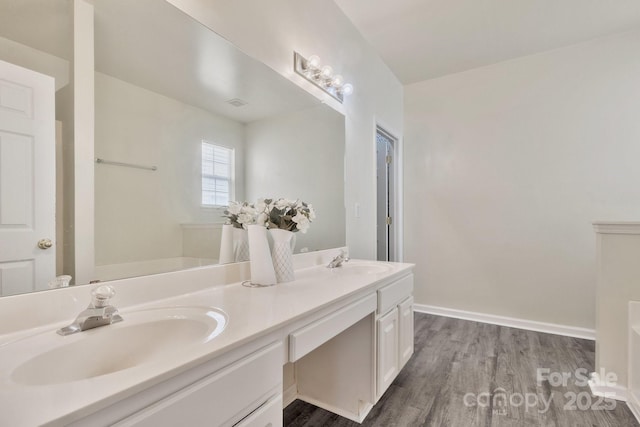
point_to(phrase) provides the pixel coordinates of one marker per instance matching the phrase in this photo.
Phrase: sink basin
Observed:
(363, 268)
(143, 336)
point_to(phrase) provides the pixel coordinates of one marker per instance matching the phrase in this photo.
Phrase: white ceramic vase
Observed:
(261, 266)
(60, 282)
(240, 245)
(226, 255)
(282, 254)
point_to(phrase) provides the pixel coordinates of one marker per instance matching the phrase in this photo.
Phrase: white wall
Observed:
(64, 113)
(300, 155)
(506, 168)
(270, 31)
(36, 60)
(139, 212)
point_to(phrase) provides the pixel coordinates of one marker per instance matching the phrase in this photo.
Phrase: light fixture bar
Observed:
(321, 76)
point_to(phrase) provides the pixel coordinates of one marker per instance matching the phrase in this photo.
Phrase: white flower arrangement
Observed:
(285, 214)
(240, 214)
(291, 215)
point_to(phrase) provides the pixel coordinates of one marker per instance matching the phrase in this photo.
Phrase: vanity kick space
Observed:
(348, 374)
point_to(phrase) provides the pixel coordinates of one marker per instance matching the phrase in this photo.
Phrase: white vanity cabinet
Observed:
(267, 415)
(246, 393)
(405, 331)
(345, 361)
(336, 339)
(388, 365)
(633, 390)
(394, 324)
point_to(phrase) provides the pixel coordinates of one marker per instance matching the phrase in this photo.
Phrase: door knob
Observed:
(45, 243)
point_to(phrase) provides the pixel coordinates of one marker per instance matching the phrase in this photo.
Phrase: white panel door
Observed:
(27, 179)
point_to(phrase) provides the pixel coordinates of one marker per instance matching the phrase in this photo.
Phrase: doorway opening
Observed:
(386, 191)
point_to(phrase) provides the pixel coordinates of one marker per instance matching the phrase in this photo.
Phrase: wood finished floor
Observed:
(455, 357)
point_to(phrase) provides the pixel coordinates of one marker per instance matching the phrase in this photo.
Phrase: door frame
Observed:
(398, 197)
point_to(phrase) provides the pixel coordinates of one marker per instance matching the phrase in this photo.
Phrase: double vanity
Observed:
(197, 347)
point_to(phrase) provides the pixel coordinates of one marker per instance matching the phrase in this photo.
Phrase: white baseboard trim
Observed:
(634, 406)
(550, 328)
(616, 392)
(353, 417)
(289, 395)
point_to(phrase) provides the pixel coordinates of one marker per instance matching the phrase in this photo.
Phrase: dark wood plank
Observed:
(454, 358)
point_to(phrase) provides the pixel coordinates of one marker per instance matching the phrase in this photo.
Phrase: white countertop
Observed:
(252, 313)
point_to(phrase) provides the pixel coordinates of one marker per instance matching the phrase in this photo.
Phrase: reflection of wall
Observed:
(36, 60)
(59, 239)
(138, 212)
(271, 32)
(64, 113)
(145, 268)
(301, 156)
(201, 240)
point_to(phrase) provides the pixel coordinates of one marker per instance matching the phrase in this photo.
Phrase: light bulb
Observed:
(313, 62)
(337, 81)
(326, 72)
(347, 89)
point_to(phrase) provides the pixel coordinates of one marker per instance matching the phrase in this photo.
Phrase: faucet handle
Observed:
(101, 295)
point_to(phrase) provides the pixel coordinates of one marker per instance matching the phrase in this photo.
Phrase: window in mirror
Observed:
(217, 179)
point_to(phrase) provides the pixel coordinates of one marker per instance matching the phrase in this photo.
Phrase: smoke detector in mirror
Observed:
(237, 102)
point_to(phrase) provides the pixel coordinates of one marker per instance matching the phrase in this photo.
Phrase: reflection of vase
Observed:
(226, 255)
(282, 254)
(60, 282)
(261, 266)
(240, 245)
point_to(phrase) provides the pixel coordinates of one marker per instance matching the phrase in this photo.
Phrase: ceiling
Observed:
(425, 39)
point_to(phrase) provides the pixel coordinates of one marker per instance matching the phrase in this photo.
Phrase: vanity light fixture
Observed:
(321, 76)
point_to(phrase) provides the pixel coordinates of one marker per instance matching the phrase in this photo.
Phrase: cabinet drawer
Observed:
(390, 296)
(317, 333)
(220, 399)
(268, 415)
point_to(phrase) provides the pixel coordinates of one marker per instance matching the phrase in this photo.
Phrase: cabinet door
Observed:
(387, 350)
(405, 330)
(268, 415)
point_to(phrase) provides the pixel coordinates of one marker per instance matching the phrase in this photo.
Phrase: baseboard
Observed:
(634, 406)
(364, 410)
(550, 328)
(616, 392)
(289, 395)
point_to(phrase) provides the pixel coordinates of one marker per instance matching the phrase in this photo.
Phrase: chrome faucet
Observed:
(338, 260)
(98, 313)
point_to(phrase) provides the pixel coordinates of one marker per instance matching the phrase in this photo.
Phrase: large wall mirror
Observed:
(172, 98)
